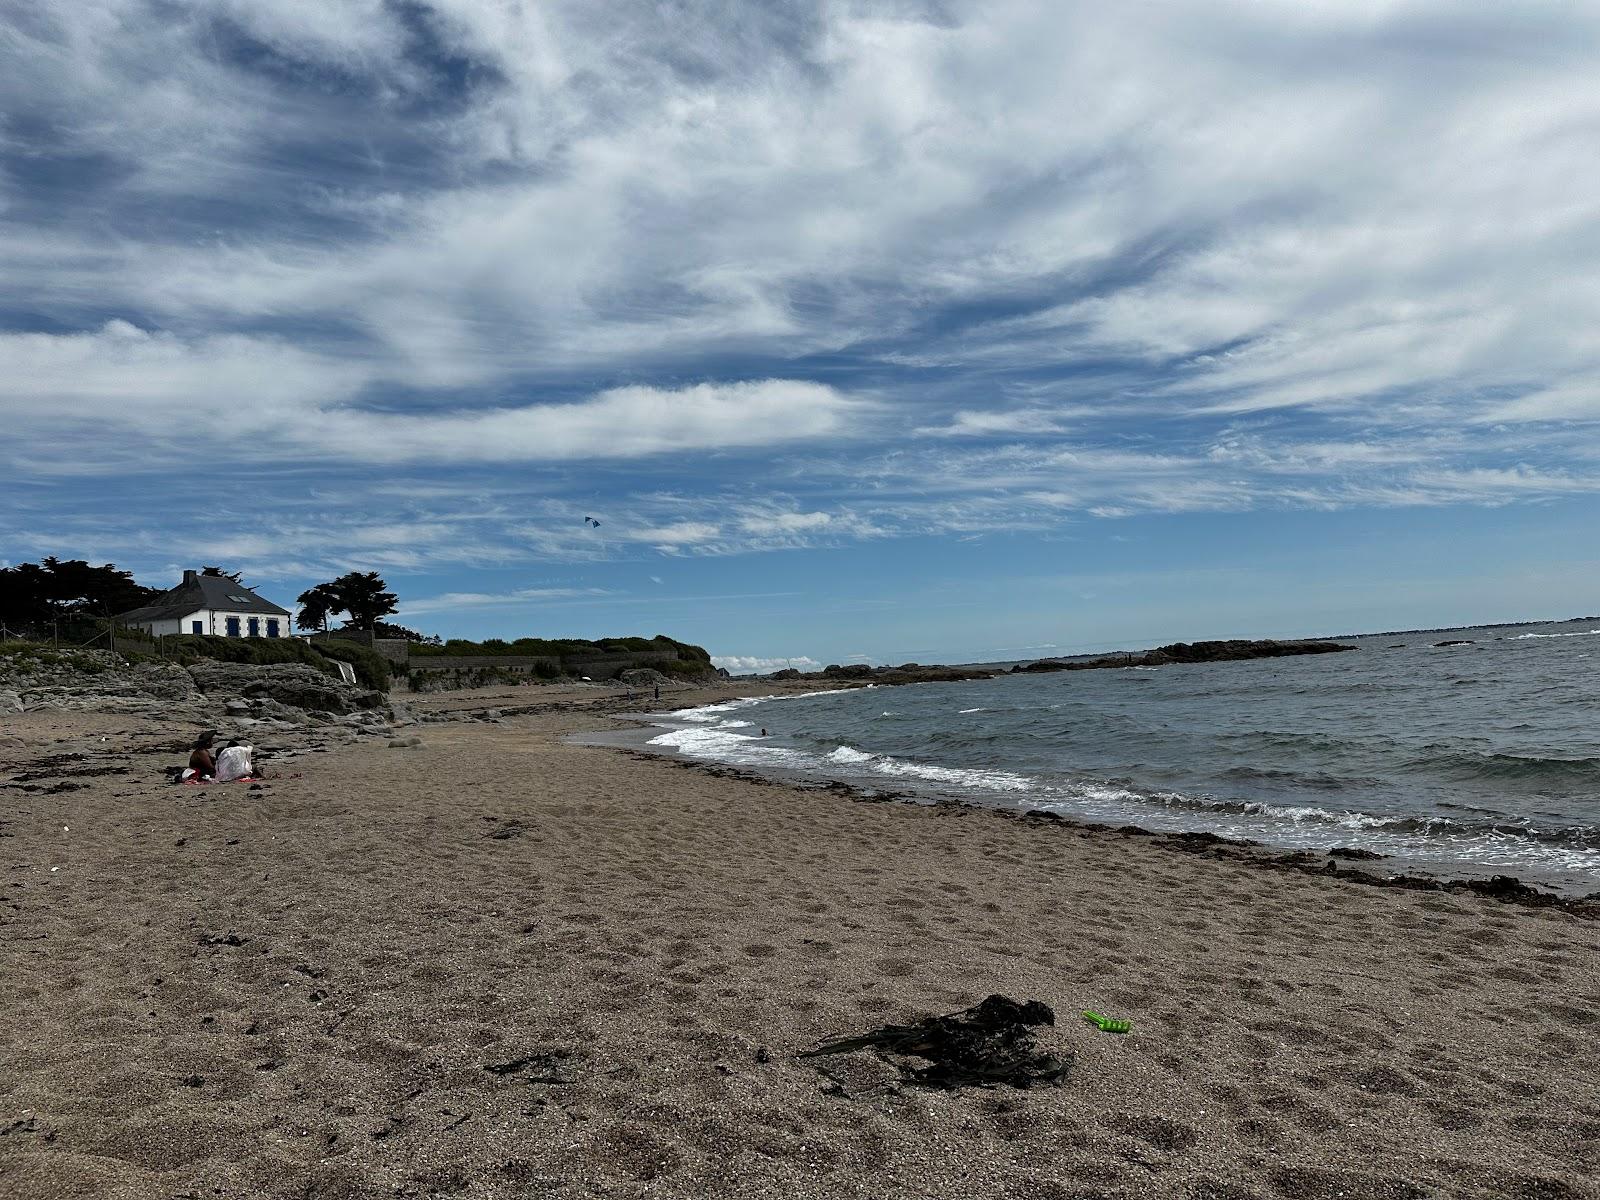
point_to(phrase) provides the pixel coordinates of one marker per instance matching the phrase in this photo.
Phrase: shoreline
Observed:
(1333, 863)
(1406, 874)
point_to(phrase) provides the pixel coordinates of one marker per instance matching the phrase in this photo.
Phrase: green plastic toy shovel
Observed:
(1107, 1024)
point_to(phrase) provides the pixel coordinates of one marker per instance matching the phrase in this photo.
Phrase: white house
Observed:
(210, 604)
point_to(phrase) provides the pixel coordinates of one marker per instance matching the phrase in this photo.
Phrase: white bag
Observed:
(234, 763)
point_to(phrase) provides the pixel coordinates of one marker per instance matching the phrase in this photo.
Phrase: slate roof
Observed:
(203, 591)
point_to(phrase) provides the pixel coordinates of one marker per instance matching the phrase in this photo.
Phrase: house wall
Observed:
(215, 623)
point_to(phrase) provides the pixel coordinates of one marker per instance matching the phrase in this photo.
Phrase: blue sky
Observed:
(867, 330)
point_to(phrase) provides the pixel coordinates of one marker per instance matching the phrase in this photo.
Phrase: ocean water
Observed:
(1463, 760)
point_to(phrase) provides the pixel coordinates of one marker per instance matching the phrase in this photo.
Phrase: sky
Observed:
(868, 331)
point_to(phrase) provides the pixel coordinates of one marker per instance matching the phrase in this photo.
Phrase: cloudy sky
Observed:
(882, 329)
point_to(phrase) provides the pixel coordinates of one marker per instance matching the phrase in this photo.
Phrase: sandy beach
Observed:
(501, 965)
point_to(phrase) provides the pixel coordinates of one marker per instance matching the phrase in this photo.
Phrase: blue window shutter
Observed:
(233, 626)
(197, 626)
(272, 626)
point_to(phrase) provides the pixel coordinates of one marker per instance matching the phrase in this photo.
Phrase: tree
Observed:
(316, 605)
(36, 594)
(362, 594)
(219, 573)
(386, 629)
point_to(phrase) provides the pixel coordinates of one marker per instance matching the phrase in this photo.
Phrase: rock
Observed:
(237, 706)
(406, 743)
(10, 702)
(297, 685)
(643, 677)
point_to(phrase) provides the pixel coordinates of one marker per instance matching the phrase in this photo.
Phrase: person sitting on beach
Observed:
(201, 764)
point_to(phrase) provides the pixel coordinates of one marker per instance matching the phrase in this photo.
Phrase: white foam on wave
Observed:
(722, 745)
(713, 712)
(971, 710)
(699, 740)
(848, 754)
(709, 713)
(1522, 637)
(1002, 781)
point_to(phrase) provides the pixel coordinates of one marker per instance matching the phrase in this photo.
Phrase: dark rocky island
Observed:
(1188, 652)
(1175, 654)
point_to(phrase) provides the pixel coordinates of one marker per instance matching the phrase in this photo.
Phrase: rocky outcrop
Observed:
(92, 680)
(242, 695)
(1187, 652)
(295, 685)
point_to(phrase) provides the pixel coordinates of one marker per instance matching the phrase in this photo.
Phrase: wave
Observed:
(1512, 767)
(1586, 837)
(902, 768)
(1522, 637)
(1325, 783)
(721, 742)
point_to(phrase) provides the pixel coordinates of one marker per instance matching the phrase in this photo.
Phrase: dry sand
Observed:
(303, 991)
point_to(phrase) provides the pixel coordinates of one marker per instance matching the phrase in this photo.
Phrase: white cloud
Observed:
(1099, 234)
(1575, 400)
(787, 522)
(258, 396)
(456, 601)
(976, 423)
(680, 533)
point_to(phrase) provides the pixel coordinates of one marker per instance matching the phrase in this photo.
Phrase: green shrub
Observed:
(563, 648)
(684, 669)
(371, 668)
(187, 647)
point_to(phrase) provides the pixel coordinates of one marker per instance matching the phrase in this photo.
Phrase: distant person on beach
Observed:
(201, 764)
(658, 691)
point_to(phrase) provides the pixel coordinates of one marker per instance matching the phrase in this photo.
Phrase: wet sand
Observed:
(501, 965)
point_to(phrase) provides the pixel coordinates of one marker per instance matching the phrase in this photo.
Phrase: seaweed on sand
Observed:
(988, 1044)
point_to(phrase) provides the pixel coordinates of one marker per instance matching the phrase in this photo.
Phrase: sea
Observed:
(1464, 760)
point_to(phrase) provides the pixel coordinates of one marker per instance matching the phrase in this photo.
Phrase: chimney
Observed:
(191, 577)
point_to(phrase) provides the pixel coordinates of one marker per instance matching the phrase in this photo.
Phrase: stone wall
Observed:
(518, 663)
(396, 650)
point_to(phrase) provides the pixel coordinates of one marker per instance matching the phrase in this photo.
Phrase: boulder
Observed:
(163, 681)
(294, 684)
(10, 702)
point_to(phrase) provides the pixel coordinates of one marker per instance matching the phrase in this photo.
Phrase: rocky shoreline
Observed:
(285, 709)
